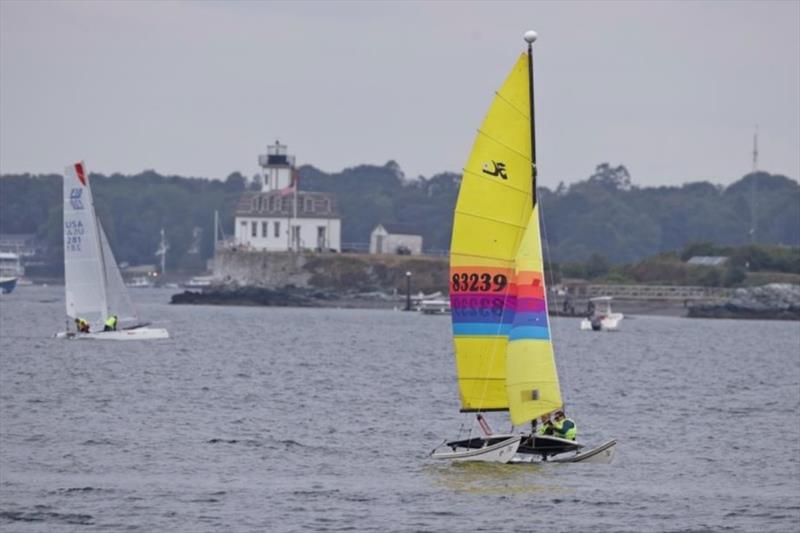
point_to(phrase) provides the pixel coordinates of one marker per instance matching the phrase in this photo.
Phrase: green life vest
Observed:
(570, 434)
(111, 322)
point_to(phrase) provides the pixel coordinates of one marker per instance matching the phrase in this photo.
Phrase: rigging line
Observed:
(555, 297)
(524, 156)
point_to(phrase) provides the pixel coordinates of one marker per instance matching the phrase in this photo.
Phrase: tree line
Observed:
(605, 218)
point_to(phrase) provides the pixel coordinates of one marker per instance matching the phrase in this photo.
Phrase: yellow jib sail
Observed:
(493, 210)
(531, 377)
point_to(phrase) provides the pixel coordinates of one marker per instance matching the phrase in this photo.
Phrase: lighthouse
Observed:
(277, 167)
(281, 217)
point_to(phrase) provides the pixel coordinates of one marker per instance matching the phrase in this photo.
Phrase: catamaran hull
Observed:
(602, 454)
(499, 452)
(136, 334)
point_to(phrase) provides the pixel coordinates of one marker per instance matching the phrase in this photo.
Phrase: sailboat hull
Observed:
(501, 451)
(602, 454)
(136, 334)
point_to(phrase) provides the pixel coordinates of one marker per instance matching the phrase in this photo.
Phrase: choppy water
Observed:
(266, 419)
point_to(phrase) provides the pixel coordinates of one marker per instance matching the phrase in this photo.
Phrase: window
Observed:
(254, 228)
(264, 226)
(308, 204)
(277, 229)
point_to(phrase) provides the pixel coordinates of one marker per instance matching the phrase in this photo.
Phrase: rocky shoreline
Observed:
(776, 301)
(285, 297)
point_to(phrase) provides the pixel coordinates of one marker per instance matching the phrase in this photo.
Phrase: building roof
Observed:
(707, 260)
(395, 228)
(276, 204)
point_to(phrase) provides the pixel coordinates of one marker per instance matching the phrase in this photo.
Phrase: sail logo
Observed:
(498, 169)
(75, 198)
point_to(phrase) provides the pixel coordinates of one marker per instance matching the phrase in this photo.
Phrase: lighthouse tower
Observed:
(276, 168)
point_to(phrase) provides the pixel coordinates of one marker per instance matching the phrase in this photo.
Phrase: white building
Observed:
(281, 218)
(394, 239)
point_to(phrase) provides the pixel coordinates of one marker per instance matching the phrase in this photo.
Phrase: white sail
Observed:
(83, 271)
(118, 300)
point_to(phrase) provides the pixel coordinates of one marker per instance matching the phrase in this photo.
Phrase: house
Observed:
(394, 239)
(281, 217)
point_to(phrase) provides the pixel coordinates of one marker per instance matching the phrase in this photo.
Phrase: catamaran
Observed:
(501, 331)
(93, 284)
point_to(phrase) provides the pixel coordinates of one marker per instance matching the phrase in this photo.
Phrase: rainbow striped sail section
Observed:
(492, 212)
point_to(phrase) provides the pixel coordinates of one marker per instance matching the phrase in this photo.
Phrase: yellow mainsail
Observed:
(494, 226)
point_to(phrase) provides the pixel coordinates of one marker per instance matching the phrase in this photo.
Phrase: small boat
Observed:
(434, 306)
(601, 317)
(140, 282)
(199, 282)
(7, 284)
(501, 331)
(11, 271)
(94, 290)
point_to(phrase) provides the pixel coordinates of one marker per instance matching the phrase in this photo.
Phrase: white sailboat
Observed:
(94, 288)
(501, 330)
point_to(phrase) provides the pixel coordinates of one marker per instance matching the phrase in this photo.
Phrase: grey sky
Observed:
(673, 90)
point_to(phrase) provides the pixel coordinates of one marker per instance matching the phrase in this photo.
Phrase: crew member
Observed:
(82, 325)
(544, 427)
(564, 427)
(111, 323)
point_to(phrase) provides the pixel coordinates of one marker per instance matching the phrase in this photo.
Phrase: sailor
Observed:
(81, 325)
(564, 427)
(544, 427)
(111, 323)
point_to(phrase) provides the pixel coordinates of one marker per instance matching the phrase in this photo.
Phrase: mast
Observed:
(530, 37)
(752, 232)
(216, 229)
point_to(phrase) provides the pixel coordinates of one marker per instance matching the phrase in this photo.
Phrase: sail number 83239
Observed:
(475, 282)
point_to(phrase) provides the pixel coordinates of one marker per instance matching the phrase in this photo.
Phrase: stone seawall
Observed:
(344, 272)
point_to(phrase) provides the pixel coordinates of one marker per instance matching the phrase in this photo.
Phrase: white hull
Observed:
(607, 323)
(602, 454)
(136, 334)
(502, 452)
